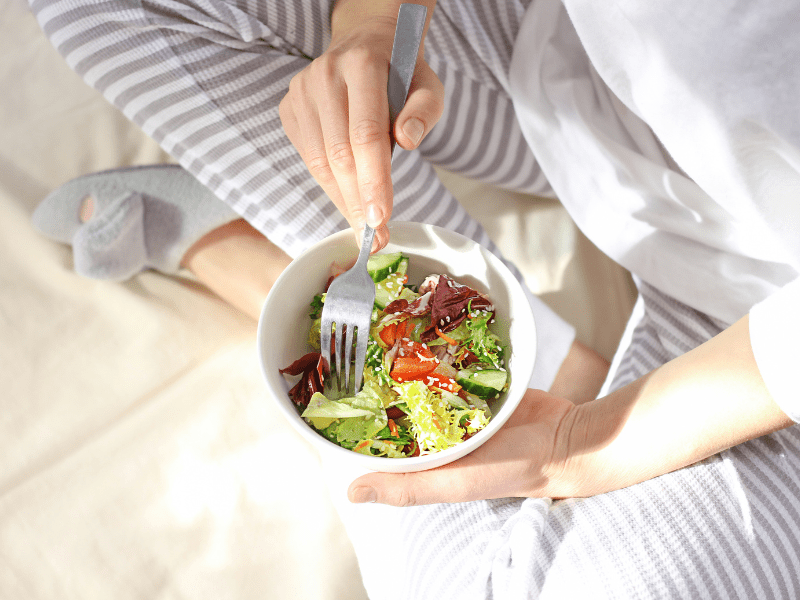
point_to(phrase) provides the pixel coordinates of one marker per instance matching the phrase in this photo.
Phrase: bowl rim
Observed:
(408, 464)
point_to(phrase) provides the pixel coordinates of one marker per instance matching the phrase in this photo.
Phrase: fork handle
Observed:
(366, 246)
(407, 38)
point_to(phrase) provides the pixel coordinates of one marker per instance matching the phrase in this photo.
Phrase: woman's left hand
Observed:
(690, 408)
(525, 457)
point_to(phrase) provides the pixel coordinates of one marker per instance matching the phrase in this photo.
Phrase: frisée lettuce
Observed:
(432, 363)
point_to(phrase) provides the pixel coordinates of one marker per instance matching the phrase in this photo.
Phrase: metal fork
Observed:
(347, 312)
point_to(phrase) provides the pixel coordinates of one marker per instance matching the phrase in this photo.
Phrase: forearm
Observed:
(703, 402)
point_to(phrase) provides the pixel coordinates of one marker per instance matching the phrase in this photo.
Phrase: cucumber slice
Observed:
(402, 268)
(380, 266)
(389, 289)
(484, 383)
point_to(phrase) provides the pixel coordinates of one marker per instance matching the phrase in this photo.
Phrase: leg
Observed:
(238, 264)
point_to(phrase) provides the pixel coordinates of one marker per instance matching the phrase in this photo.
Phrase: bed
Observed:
(140, 456)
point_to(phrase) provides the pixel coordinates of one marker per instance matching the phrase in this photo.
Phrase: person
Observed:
(208, 87)
(681, 479)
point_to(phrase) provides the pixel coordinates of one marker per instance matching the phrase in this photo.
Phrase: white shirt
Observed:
(671, 133)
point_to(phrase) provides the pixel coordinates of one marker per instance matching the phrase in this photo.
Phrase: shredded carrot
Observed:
(393, 428)
(446, 338)
(363, 444)
(436, 421)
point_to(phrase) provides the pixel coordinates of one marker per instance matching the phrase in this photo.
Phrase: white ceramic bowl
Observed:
(284, 325)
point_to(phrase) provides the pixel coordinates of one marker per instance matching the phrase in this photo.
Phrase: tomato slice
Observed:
(395, 331)
(388, 334)
(414, 361)
(403, 329)
(411, 368)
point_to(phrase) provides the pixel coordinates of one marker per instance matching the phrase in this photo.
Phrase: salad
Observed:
(432, 364)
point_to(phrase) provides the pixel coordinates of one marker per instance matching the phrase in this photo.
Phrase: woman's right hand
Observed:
(336, 114)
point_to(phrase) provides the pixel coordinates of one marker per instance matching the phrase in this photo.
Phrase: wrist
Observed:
(581, 465)
(378, 17)
(350, 14)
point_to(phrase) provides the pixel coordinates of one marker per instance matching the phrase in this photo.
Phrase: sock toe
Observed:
(112, 245)
(58, 215)
(174, 211)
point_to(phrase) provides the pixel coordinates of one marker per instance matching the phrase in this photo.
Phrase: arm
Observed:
(703, 402)
(337, 116)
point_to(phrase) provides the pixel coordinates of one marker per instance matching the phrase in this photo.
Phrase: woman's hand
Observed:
(336, 113)
(692, 407)
(522, 459)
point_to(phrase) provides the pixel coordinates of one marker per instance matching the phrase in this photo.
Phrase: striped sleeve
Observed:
(205, 84)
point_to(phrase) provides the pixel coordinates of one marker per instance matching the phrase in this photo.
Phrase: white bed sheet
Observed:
(140, 456)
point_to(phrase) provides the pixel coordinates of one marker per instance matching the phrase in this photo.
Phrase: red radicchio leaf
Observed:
(449, 305)
(467, 359)
(312, 368)
(419, 307)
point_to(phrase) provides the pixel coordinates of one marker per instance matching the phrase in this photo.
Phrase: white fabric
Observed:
(774, 334)
(554, 337)
(670, 132)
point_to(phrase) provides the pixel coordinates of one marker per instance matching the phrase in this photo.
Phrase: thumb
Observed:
(460, 481)
(423, 108)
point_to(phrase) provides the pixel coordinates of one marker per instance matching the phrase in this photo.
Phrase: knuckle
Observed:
(296, 85)
(340, 155)
(368, 131)
(371, 185)
(406, 497)
(322, 69)
(318, 165)
(285, 110)
(360, 56)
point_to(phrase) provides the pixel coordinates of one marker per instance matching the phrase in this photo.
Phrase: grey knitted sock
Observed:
(144, 217)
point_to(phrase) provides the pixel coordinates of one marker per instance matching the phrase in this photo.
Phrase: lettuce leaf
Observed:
(351, 419)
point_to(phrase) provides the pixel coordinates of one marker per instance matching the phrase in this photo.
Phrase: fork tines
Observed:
(339, 342)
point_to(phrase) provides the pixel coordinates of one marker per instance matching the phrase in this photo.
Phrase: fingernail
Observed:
(414, 128)
(364, 494)
(374, 216)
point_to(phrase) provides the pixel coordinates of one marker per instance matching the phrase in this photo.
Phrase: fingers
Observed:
(336, 114)
(339, 125)
(423, 108)
(463, 483)
(339, 161)
(380, 240)
(300, 119)
(522, 459)
(369, 136)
